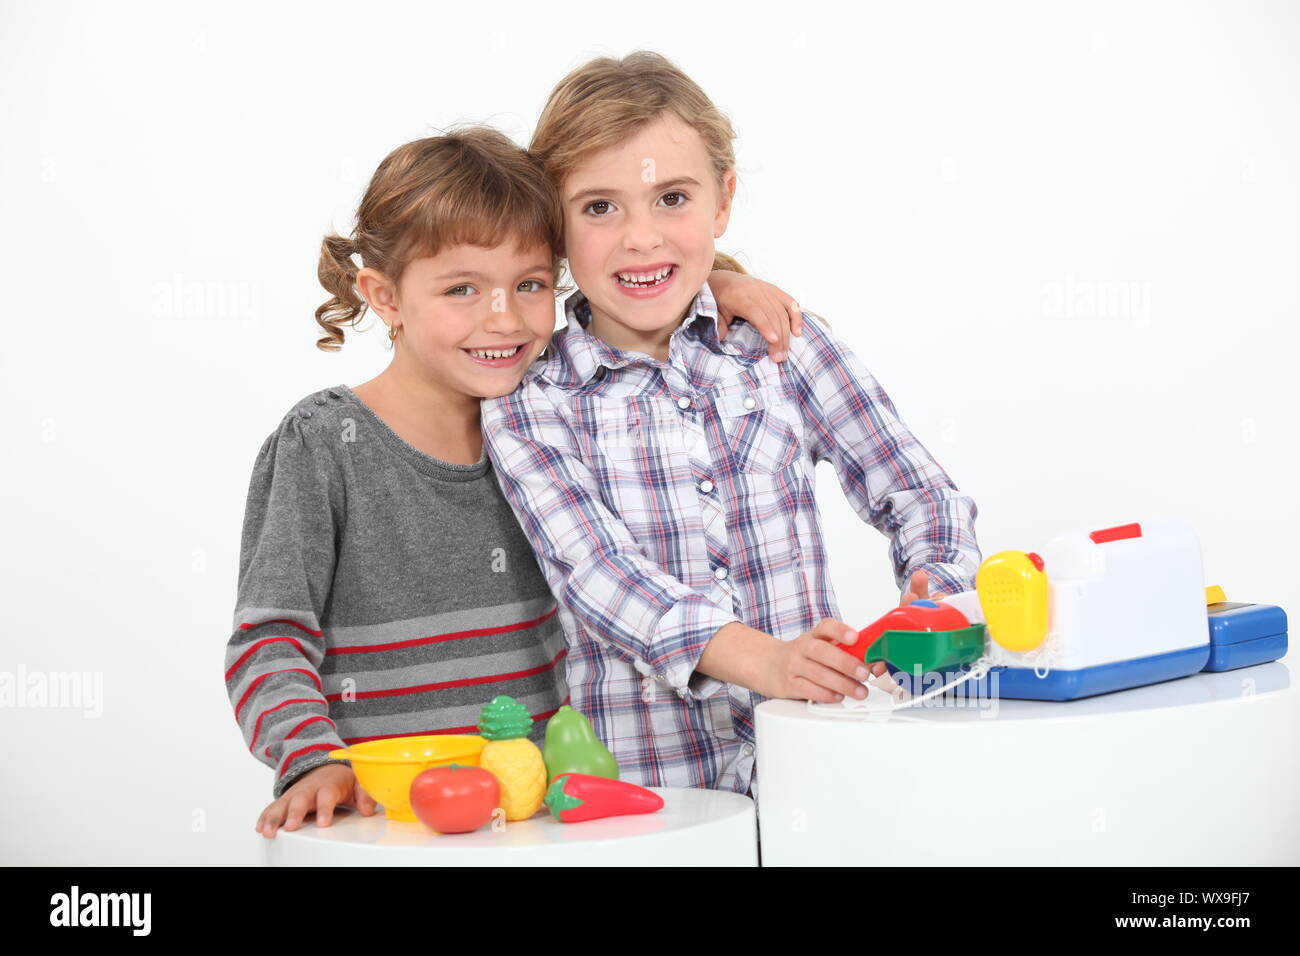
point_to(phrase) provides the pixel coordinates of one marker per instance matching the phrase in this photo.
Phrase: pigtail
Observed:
(338, 274)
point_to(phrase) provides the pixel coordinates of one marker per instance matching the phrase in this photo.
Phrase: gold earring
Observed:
(392, 333)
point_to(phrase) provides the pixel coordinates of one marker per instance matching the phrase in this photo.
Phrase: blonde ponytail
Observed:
(725, 263)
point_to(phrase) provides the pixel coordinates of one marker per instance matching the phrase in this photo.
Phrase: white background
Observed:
(1064, 237)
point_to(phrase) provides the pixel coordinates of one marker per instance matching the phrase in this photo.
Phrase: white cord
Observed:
(856, 709)
(1044, 657)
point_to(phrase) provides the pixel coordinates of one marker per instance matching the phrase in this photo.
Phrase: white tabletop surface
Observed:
(1202, 770)
(693, 827)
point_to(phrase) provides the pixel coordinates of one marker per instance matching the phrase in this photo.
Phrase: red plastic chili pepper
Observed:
(574, 797)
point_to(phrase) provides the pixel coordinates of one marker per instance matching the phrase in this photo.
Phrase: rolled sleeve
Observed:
(686, 629)
(946, 579)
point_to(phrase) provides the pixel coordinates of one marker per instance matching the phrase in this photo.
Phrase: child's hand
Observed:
(318, 790)
(811, 667)
(760, 303)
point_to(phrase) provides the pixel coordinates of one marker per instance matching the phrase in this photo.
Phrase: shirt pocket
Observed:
(636, 435)
(759, 437)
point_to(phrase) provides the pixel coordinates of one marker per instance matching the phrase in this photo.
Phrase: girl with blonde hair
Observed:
(665, 477)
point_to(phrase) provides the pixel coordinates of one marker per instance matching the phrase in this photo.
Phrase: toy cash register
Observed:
(1097, 611)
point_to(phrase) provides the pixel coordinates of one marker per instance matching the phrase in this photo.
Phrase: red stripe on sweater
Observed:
(294, 732)
(257, 727)
(437, 638)
(262, 643)
(253, 686)
(309, 720)
(288, 761)
(464, 682)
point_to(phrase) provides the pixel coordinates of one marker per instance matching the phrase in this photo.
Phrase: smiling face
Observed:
(639, 223)
(471, 319)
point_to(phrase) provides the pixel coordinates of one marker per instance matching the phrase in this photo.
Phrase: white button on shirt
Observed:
(683, 402)
(706, 486)
(749, 402)
(720, 574)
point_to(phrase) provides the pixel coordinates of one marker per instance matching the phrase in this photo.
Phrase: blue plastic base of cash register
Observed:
(1018, 683)
(1260, 650)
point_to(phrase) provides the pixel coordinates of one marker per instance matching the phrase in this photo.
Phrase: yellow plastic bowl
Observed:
(387, 768)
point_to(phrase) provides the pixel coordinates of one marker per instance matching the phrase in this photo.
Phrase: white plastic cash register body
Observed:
(1126, 607)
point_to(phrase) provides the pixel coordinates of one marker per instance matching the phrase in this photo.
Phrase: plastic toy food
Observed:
(512, 757)
(575, 797)
(573, 747)
(455, 799)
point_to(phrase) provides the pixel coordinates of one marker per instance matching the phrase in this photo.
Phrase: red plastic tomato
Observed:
(455, 799)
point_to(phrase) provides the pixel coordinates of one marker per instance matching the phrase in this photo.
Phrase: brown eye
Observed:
(591, 206)
(681, 199)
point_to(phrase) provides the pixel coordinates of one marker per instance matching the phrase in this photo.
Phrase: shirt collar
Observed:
(586, 355)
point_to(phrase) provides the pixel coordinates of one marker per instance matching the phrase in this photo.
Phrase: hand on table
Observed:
(318, 791)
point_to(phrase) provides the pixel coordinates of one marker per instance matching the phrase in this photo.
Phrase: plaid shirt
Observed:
(667, 499)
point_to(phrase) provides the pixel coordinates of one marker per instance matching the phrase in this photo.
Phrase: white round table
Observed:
(694, 828)
(1203, 770)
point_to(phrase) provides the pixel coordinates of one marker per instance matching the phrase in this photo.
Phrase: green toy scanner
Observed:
(921, 637)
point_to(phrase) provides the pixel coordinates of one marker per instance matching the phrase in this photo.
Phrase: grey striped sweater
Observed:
(382, 593)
